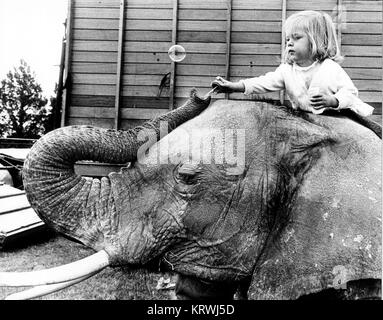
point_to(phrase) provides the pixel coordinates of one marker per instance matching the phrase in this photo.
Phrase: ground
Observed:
(48, 251)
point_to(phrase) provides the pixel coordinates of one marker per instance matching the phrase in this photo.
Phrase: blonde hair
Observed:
(320, 31)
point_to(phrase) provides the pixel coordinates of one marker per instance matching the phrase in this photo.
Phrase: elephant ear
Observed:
(333, 233)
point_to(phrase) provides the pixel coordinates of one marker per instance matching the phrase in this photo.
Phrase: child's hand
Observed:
(222, 86)
(320, 101)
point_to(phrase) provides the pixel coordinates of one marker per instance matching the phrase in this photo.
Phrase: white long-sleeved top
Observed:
(327, 76)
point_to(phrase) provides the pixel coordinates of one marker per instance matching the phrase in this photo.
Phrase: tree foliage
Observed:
(23, 109)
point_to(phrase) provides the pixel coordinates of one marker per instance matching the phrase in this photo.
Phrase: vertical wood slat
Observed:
(228, 41)
(121, 32)
(339, 23)
(68, 49)
(173, 64)
(284, 9)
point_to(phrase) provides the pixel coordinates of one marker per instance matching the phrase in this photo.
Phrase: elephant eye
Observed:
(186, 173)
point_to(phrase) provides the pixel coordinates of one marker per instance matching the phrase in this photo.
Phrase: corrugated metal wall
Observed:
(233, 38)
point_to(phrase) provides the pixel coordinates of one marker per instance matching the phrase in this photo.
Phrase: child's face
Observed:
(298, 48)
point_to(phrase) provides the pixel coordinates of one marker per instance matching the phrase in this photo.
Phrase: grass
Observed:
(110, 284)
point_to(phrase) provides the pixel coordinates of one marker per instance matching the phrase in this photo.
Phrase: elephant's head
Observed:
(243, 191)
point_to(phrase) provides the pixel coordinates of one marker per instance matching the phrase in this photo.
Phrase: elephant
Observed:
(241, 199)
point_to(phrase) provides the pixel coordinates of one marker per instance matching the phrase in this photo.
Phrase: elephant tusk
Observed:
(40, 291)
(65, 273)
(43, 290)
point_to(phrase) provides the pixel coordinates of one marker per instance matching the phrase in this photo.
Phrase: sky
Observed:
(33, 30)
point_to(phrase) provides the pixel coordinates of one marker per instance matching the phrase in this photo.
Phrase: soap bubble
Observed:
(177, 53)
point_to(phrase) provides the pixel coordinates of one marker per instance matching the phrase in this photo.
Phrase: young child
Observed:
(310, 73)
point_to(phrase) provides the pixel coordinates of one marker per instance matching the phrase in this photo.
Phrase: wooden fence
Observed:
(116, 53)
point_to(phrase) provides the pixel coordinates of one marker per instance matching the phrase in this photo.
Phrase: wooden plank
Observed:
(143, 80)
(189, 81)
(166, 14)
(92, 89)
(352, 16)
(182, 69)
(228, 42)
(283, 43)
(362, 62)
(107, 113)
(370, 96)
(339, 23)
(95, 46)
(319, 5)
(126, 102)
(97, 24)
(85, 56)
(100, 68)
(120, 56)
(252, 71)
(369, 16)
(92, 101)
(255, 48)
(369, 85)
(364, 73)
(247, 58)
(103, 123)
(184, 36)
(142, 113)
(362, 51)
(97, 79)
(208, 59)
(97, 13)
(151, 91)
(92, 34)
(353, 5)
(238, 4)
(148, 35)
(201, 36)
(198, 25)
(213, 14)
(139, 68)
(256, 37)
(363, 28)
(149, 4)
(191, 58)
(96, 4)
(185, 25)
(361, 39)
(257, 15)
(150, 57)
(172, 63)
(158, 25)
(257, 26)
(68, 61)
(250, 59)
(146, 102)
(190, 47)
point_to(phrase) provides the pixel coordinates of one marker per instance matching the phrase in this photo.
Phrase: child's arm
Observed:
(221, 85)
(345, 96)
(271, 81)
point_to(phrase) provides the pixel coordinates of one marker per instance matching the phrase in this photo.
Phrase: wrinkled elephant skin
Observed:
(245, 190)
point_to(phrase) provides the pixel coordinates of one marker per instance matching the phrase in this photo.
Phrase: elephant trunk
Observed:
(82, 207)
